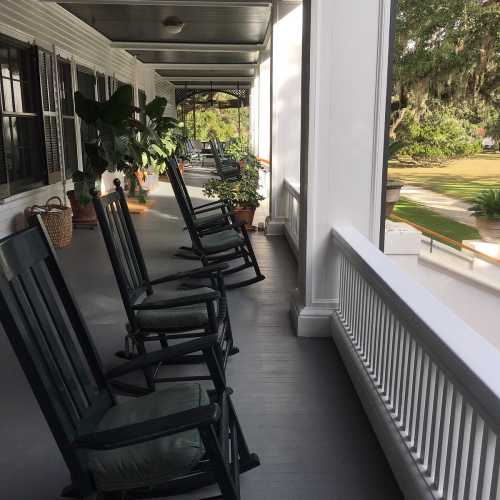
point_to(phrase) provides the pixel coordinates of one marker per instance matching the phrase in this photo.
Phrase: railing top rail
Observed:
(293, 186)
(472, 361)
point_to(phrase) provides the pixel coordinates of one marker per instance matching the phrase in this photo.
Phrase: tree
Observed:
(446, 53)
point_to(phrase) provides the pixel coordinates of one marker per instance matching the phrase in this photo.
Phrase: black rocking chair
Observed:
(227, 169)
(164, 443)
(221, 240)
(161, 313)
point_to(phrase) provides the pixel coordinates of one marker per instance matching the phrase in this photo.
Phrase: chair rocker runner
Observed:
(157, 310)
(165, 443)
(219, 242)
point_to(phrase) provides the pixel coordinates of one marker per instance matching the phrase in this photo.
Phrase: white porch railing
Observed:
(292, 211)
(430, 385)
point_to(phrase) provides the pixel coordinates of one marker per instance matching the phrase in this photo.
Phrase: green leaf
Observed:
(119, 108)
(87, 109)
(156, 108)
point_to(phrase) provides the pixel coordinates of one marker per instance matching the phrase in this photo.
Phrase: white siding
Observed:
(50, 25)
(164, 88)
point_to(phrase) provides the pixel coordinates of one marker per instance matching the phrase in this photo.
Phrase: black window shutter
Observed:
(49, 111)
(67, 117)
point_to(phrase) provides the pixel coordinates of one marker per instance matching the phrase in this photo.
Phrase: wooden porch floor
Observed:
(294, 397)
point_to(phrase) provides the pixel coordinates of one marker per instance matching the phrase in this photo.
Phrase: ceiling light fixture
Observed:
(173, 25)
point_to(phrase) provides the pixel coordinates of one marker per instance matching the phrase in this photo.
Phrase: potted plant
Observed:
(393, 187)
(122, 143)
(109, 150)
(242, 195)
(486, 209)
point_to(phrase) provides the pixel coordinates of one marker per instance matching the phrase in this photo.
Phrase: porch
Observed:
(297, 404)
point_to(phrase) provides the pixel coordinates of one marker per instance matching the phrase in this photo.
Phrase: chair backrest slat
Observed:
(176, 182)
(123, 248)
(45, 327)
(61, 322)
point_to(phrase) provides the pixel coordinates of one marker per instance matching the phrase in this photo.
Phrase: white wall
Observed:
(286, 102)
(164, 88)
(49, 25)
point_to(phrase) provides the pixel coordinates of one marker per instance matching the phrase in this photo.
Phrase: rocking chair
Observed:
(165, 443)
(217, 241)
(166, 312)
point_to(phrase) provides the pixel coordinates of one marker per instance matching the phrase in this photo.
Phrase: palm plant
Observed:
(487, 204)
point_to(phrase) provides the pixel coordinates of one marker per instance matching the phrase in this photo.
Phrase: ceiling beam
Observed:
(186, 47)
(201, 67)
(215, 79)
(173, 3)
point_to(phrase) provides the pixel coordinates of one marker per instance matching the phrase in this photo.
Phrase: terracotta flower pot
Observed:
(392, 196)
(246, 215)
(182, 165)
(82, 214)
(489, 229)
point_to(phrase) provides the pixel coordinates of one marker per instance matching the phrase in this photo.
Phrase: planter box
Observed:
(392, 196)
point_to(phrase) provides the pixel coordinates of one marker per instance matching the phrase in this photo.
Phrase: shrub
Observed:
(243, 192)
(487, 203)
(439, 135)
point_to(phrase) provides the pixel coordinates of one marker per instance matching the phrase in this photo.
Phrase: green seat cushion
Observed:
(206, 220)
(219, 242)
(181, 318)
(154, 462)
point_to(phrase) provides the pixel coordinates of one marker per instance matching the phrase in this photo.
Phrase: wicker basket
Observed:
(57, 220)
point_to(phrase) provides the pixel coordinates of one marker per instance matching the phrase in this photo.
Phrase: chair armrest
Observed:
(150, 429)
(221, 207)
(178, 302)
(218, 229)
(212, 203)
(200, 272)
(165, 355)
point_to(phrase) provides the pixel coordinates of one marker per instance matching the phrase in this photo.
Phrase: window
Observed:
(21, 123)
(111, 85)
(50, 115)
(142, 105)
(67, 116)
(101, 87)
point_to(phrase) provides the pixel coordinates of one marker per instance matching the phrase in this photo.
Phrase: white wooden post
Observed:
(342, 180)
(286, 106)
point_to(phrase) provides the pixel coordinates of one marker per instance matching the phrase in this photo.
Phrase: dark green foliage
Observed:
(437, 136)
(447, 58)
(487, 203)
(243, 192)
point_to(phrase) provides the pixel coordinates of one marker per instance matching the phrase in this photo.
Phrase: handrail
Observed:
(293, 187)
(292, 210)
(433, 376)
(458, 244)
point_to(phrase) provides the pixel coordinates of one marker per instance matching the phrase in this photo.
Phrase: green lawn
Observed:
(419, 214)
(462, 179)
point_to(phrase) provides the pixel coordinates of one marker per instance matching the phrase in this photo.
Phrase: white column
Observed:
(254, 114)
(342, 179)
(264, 91)
(286, 105)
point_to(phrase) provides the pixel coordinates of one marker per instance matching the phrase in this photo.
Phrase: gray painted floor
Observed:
(294, 397)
